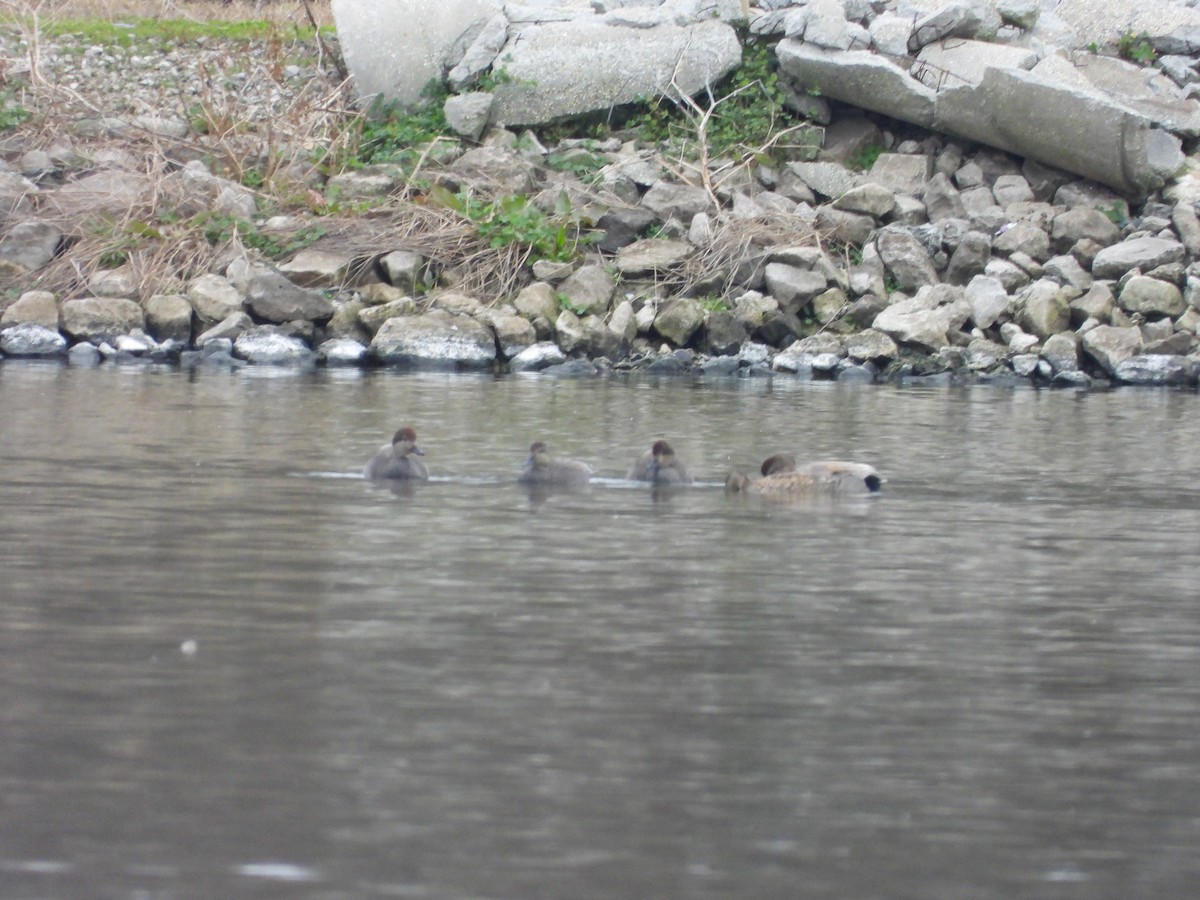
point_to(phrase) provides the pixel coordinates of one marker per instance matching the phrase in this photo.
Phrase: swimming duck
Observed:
(782, 478)
(659, 465)
(398, 459)
(542, 468)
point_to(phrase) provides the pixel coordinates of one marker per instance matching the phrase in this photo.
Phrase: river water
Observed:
(229, 667)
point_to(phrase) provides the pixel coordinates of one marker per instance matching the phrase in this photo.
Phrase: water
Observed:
(231, 668)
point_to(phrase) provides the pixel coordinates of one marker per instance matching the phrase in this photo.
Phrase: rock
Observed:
(274, 298)
(622, 225)
(589, 290)
(1042, 309)
(538, 301)
(844, 227)
(724, 334)
(372, 318)
(1109, 346)
(537, 357)
(403, 270)
(651, 256)
(902, 173)
(265, 346)
(492, 170)
(121, 282)
(99, 319)
(468, 114)
(1061, 351)
(1141, 253)
(570, 331)
(1097, 303)
(313, 267)
(84, 354)
(970, 258)
(169, 317)
(905, 259)
(676, 201)
(1150, 297)
(1158, 369)
(871, 345)
(623, 322)
(28, 246)
(988, 299)
(513, 334)
(678, 320)
(942, 200)
(434, 340)
(32, 340)
(342, 352)
(213, 299)
(869, 199)
(828, 306)
(32, 308)
(227, 330)
(926, 320)
(792, 287)
(1023, 237)
(1073, 225)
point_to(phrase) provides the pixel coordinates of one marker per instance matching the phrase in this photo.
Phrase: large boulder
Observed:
(98, 319)
(276, 299)
(926, 320)
(32, 340)
(266, 346)
(436, 340)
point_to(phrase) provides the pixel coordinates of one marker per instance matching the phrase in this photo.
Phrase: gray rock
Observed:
(28, 246)
(213, 298)
(871, 345)
(826, 179)
(98, 319)
(1097, 303)
(1061, 351)
(537, 357)
(958, 19)
(1023, 237)
(905, 259)
(988, 299)
(492, 169)
(342, 352)
(367, 183)
(650, 256)
(265, 346)
(1067, 270)
(122, 282)
(435, 340)
(570, 331)
(403, 269)
(1142, 253)
(1109, 346)
(942, 200)
(1150, 297)
(678, 320)
(32, 308)
(1187, 225)
(469, 114)
(84, 354)
(276, 299)
(589, 290)
(623, 321)
(1042, 309)
(676, 201)
(1072, 225)
(793, 288)
(869, 199)
(926, 320)
(844, 227)
(313, 267)
(902, 173)
(724, 334)
(513, 334)
(227, 330)
(830, 305)
(169, 317)
(32, 340)
(1158, 369)
(538, 301)
(371, 318)
(970, 258)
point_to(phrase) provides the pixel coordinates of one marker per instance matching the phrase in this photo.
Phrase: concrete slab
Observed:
(566, 68)
(953, 63)
(858, 77)
(1172, 27)
(1144, 91)
(1072, 130)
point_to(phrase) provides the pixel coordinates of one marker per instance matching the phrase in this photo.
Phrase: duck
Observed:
(659, 465)
(542, 468)
(398, 459)
(783, 478)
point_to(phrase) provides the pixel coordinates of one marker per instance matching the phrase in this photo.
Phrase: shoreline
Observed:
(883, 254)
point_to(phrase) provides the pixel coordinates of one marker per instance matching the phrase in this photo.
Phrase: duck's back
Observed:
(389, 464)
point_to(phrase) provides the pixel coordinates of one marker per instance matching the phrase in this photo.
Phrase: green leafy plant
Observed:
(12, 113)
(1116, 211)
(1136, 48)
(514, 220)
(583, 164)
(865, 158)
(714, 303)
(388, 132)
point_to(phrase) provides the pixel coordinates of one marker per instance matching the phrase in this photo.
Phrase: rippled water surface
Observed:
(231, 668)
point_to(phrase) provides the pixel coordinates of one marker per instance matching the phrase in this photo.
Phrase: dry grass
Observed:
(281, 11)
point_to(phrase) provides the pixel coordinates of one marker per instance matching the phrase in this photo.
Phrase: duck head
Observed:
(405, 442)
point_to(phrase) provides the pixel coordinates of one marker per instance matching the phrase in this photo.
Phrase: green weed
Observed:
(1136, 48)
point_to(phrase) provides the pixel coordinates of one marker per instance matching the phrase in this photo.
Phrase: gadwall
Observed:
(542, 468)
(781, 477)
(659, 465)
(398, 459)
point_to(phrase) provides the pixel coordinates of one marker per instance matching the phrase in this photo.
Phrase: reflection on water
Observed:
(982, 684)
